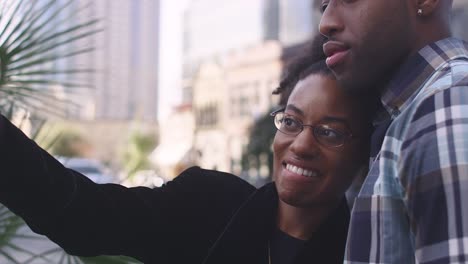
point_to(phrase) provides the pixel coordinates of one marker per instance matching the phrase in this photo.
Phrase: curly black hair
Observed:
(311, 61)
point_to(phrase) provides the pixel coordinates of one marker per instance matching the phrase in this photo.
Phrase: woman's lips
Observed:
(301, 171)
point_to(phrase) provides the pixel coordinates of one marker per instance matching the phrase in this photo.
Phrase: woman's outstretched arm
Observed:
(87, 219)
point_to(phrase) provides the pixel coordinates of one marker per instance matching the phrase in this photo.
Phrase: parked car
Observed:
(93, 169)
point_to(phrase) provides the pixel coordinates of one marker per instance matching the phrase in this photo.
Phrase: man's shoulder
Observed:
(442, 109)
(459, 73)
(452, 74)
(455, 73)
(440, 103)
(448, 87)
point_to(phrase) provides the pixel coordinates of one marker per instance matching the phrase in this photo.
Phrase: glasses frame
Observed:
(347, 136)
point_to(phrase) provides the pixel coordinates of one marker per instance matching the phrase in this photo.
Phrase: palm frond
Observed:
(34, 36)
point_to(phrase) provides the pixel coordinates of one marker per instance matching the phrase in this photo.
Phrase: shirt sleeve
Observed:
(433, 169)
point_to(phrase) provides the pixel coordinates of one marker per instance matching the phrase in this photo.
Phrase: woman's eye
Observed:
(287, 121)
(290, 124)
(328, 133)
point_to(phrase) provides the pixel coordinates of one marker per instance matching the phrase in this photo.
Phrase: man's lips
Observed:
(335, 52)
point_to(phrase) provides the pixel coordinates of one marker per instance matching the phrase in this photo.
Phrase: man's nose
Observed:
(331, 21)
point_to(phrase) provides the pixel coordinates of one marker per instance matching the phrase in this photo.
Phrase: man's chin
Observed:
(351, 84)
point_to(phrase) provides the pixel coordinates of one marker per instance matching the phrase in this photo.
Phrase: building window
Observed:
(207, 116)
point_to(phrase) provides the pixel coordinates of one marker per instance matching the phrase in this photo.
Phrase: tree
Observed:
(259, 145)
(136, 154)
(69, 143)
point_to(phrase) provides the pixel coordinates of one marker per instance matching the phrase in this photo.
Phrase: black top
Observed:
(202, 216)
(283, 247)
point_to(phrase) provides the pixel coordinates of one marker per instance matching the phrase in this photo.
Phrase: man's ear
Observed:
(427, 7)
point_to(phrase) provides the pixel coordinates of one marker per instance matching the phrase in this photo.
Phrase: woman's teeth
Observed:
(301, 171)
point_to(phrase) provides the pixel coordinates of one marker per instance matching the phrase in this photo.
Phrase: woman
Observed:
(208, 216)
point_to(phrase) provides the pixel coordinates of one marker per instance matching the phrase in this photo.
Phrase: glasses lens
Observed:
(287, 124)
(329, 136)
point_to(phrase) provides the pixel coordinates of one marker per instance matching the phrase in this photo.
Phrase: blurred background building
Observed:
(232, 60)
(213, 28)
(233, 56)
(204, 69)
(125, 60)
(117, 93)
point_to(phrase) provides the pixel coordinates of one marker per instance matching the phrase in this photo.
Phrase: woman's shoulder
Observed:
(213, 181)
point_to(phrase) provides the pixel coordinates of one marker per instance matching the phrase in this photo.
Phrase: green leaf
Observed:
(30, 30)
(31, 44)
(40, 47)
(48, 72)
(109, 260)
(45, 59)
(6, 29)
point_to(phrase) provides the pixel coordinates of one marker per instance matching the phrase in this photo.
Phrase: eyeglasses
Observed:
(324, 134)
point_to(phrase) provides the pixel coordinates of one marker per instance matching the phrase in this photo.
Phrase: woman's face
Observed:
(330, 170)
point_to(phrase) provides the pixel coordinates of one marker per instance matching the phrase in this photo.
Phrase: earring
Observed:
(420, 12)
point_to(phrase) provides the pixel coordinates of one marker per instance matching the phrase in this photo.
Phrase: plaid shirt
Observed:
(411, 206)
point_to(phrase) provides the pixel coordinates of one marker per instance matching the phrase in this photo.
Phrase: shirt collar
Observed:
(411, 76)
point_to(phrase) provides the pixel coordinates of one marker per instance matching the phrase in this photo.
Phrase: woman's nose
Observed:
(305, 145)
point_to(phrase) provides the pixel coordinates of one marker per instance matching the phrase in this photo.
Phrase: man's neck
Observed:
(428, 35)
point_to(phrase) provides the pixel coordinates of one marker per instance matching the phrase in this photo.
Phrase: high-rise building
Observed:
(125, 60)
(297, 20)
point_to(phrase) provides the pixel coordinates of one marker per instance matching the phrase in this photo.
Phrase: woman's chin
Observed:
(293, 198)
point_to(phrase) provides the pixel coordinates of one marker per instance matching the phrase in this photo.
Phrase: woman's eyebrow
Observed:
(295, 109)
(325, 119)
(334, 119)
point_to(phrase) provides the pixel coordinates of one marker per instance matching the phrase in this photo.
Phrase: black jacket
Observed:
(201, 217)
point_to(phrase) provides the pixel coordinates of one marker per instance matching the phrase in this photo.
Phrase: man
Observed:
(412, 207)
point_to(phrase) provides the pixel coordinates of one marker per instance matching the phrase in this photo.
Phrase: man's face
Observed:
(368, 40)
